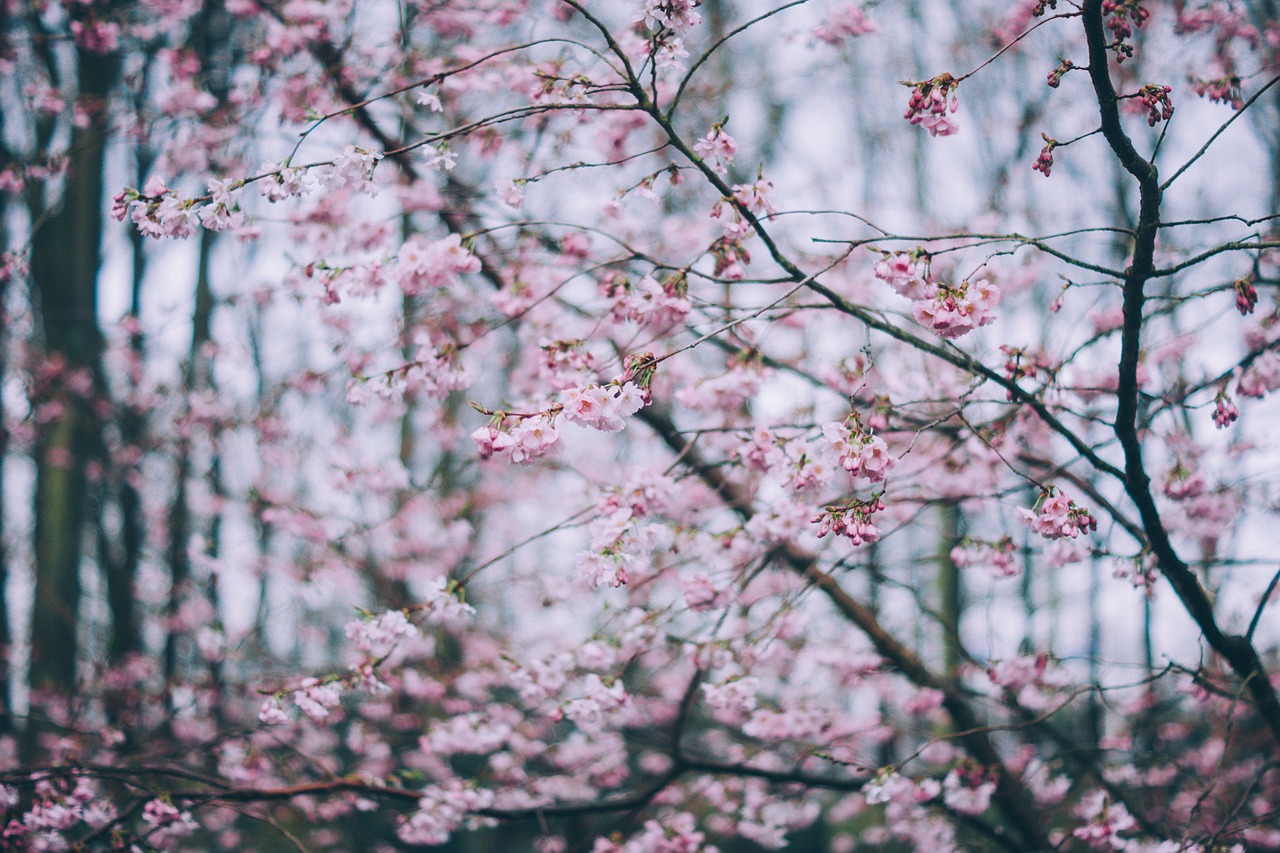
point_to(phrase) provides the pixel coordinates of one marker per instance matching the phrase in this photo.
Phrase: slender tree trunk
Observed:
(950, 591)
(1095, 709)
(122, 573)
(65, 255)
(180, 524)
(6, 630)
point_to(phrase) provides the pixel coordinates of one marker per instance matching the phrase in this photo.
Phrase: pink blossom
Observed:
(316, 699)
(379, 635)
(717, 147)
(844, 22)
(861, 454)
(1058, 516)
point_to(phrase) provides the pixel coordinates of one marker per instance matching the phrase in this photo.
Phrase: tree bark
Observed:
(65, 255)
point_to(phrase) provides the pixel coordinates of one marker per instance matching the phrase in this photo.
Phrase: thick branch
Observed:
(1237, 650)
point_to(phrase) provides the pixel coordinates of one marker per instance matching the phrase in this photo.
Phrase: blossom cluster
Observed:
(999, 559)
(1044, 160)
(1225, 411)
(862, 454)
(1155, 99)
(852, 520)
(603, 407)
(844, 22)
(441, 810)
(1123, 16)
(528, 438)
(1260, 377)
(1058, 517)
(717, 148)
(659, 305)
(1221, 90)
(424, 265)
(54, 814)
(378, 635)
(956, 311)
(932, 104)
(949, 311)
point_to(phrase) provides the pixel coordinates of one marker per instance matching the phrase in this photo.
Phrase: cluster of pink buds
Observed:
(1059, 517)
(853, 520)
(1246, 295)
(1120, 15)
(1225, 412)
(1044, 162)
(1222, 90)
(1156, 99)
(932, 103)
(1056, 75)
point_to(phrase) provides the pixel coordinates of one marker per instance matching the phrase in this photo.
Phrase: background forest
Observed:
(646, 425)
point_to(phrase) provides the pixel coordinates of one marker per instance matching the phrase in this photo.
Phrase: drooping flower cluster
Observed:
(678, 15)
(526, 439)
(659, 305)
(424, 265)
(317, 698)
(906, 273)
(442, 809)
(999, 559)
(157, 211)
(1044, 161)
(1058, 516)
(1225, 412)
(956, 311)
(1261, 377)
(949, 311)
(1221, 90)
(861, 453)
(599, 700)
(1105, 820)
(844, 22)
(1246, 295)
(620, 543)
(852, 520)
(603, 407)
(1155, 99)
(1123, 16)
(378, 635)
(967, 789)
(169, 824)
(932, 104)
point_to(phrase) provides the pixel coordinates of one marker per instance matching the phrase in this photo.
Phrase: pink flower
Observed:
(861, 454)
(844, 22)
(932, 102)
(1058, 517)
(717, 147)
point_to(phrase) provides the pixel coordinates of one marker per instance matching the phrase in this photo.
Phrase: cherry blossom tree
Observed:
(640, 426)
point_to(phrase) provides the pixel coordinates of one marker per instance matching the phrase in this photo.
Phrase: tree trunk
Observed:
(65, 255)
